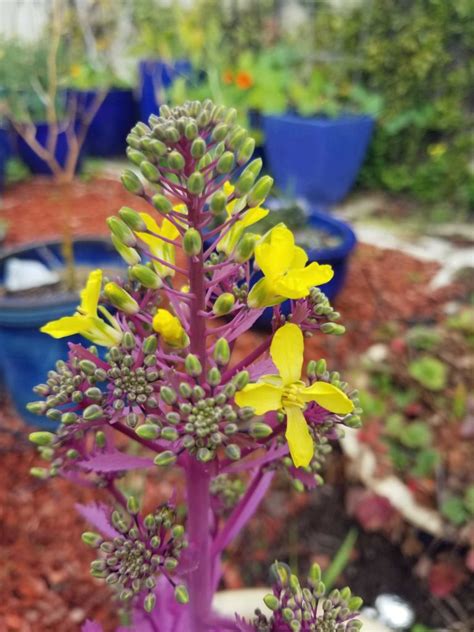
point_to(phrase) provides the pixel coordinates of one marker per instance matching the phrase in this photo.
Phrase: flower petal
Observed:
(275, 253)
(300, 258)
(262, 397)
(315, 274)
(299, 439)
(90, 294)
(169, 230)
(287, 350)
(67, 326)
(252, 216)
(329, 397)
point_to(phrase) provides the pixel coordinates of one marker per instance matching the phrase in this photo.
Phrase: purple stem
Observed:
(256, 353)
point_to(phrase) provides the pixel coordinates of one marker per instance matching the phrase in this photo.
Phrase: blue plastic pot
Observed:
(338, 257)
(154, 76)
(112, 121)
(36, 164)
(26, 355)
(316, 158)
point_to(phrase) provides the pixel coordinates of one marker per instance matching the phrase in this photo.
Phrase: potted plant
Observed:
(167, 382)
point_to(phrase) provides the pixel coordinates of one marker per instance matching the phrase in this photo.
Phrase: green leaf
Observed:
(425, 463)
(399, 457)
(416, 435)
(454, 510)
(469, 499)
(394, 424)
(424, 338)
(429, 372)
(371, 405)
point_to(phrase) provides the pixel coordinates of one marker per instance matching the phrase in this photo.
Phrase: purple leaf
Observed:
(99, 517)
(114, 462)
(92, 626)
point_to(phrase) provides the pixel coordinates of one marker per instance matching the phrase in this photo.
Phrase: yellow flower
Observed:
(159, 248)
(86, 320)
(250, 217)
(170, 329)
(288, 392)
(283, 265)
(437, 150)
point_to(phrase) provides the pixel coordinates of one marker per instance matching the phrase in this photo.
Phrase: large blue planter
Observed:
(26, 354)
(338, 257)
(111, 123)
(155, 75)
(316, 158)
(36, 164)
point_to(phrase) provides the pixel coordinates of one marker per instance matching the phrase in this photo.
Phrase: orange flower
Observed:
(244, 80)
(227, 77)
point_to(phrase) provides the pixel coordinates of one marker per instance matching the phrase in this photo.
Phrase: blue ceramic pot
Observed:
(316, 158)
(26, 354)
(337, 256)
(154, 76)
(36, 164)
(112, 122)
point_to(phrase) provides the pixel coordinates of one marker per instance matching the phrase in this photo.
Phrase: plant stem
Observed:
(199, 511)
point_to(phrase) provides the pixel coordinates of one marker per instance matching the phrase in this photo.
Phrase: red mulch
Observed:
(44, 567)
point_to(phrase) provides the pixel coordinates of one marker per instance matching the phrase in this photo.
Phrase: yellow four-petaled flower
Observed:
(286, 391)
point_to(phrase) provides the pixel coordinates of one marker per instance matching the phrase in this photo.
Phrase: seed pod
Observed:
(192, 365)
(192, 242)
(198, 148)
(41, 438)
(121, 231)
(176, 161)
(218, 202)
(222, 352)
(148, 431)
(137, 157)
(121, 299)
(224, 303)
(132, 219)
(131, 182)
(225, 163)
(260, 191)
(146, 276)
(150, 172)
(165, 458)
(196, 183)
(129, 255)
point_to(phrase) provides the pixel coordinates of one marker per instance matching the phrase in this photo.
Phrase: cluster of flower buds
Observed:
(227, 491)
(307, 609)
(142, 550)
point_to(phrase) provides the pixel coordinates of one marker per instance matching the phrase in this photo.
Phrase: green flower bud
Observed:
(146, 276)
(93, 412)
(246, 247)
(39, 472)
(141, 129)
(353, 421)
(214, 376)
(253, 168)
(185, 389)
(191, 130)
(203, 119)
(120, 298)
(168, 395)
(37, 408)
(222, 352)
(150, 344)
(218, 202)
(135, 156)
(198, 148)
(68, 418)
(225, 163)
(157, 147)
(333, 328)
(196, 183)
(230, 116)
(260, 430)
(172, 135)
(224, 303)
(314, 576)
(121, 231)
(92, 539)
(133, 506)
(355, 604)
(244, 184)
(129, 255)
(132, 219)
(271, 602)
(165, 458)
(176, 161)
(204, 162)
(204, 455)
(150, 172)
(170, 434)
(246, 151)
(232, 451)
(149, 602)
(241, 380)
(100, 439)
(93, 393)
(131, 182)
(260, 191)
(42, 438)
(161, 203)
(181, 594)
(192, 242)
(148, 431)
(133, 140)
(219, 132)
(192, 365)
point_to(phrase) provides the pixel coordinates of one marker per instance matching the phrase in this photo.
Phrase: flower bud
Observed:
(168, 395)
(150, 172)
(176, 161)
(260, 430)
(246, 247)
(150, 344)
(191, 130)
(100, 439)
(37, 408)
(41, 438)
(198, 148)
(172, 135)
(220, 132)
(192, 365)
(93, 412)
(132, 219)
(169, 434)
(148, 431)
(241, 380)
(232, 452)
(205, 161)
(181, 594)
(92, 539)
(135, 156)
(141, 129)
(161, 203)
(214, 376)
(230, 116)
(224, 303)
(253, 168)
(196, 183)
(121, 299)
(133, 506)
(244, 184)
(260, 191)
(157, 147)
(246, 151)
(333, 328)
(129, 255)
(203, 119)
(218, 202)
(271, 602)
(149, 602)
(222, 352)
(146, 276)
(132, 182)
(133, 140)
(225, 163)
(121, 231)
(165, 458)
(192, 242)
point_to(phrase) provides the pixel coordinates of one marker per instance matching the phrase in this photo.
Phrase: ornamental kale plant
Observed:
(161, 373)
